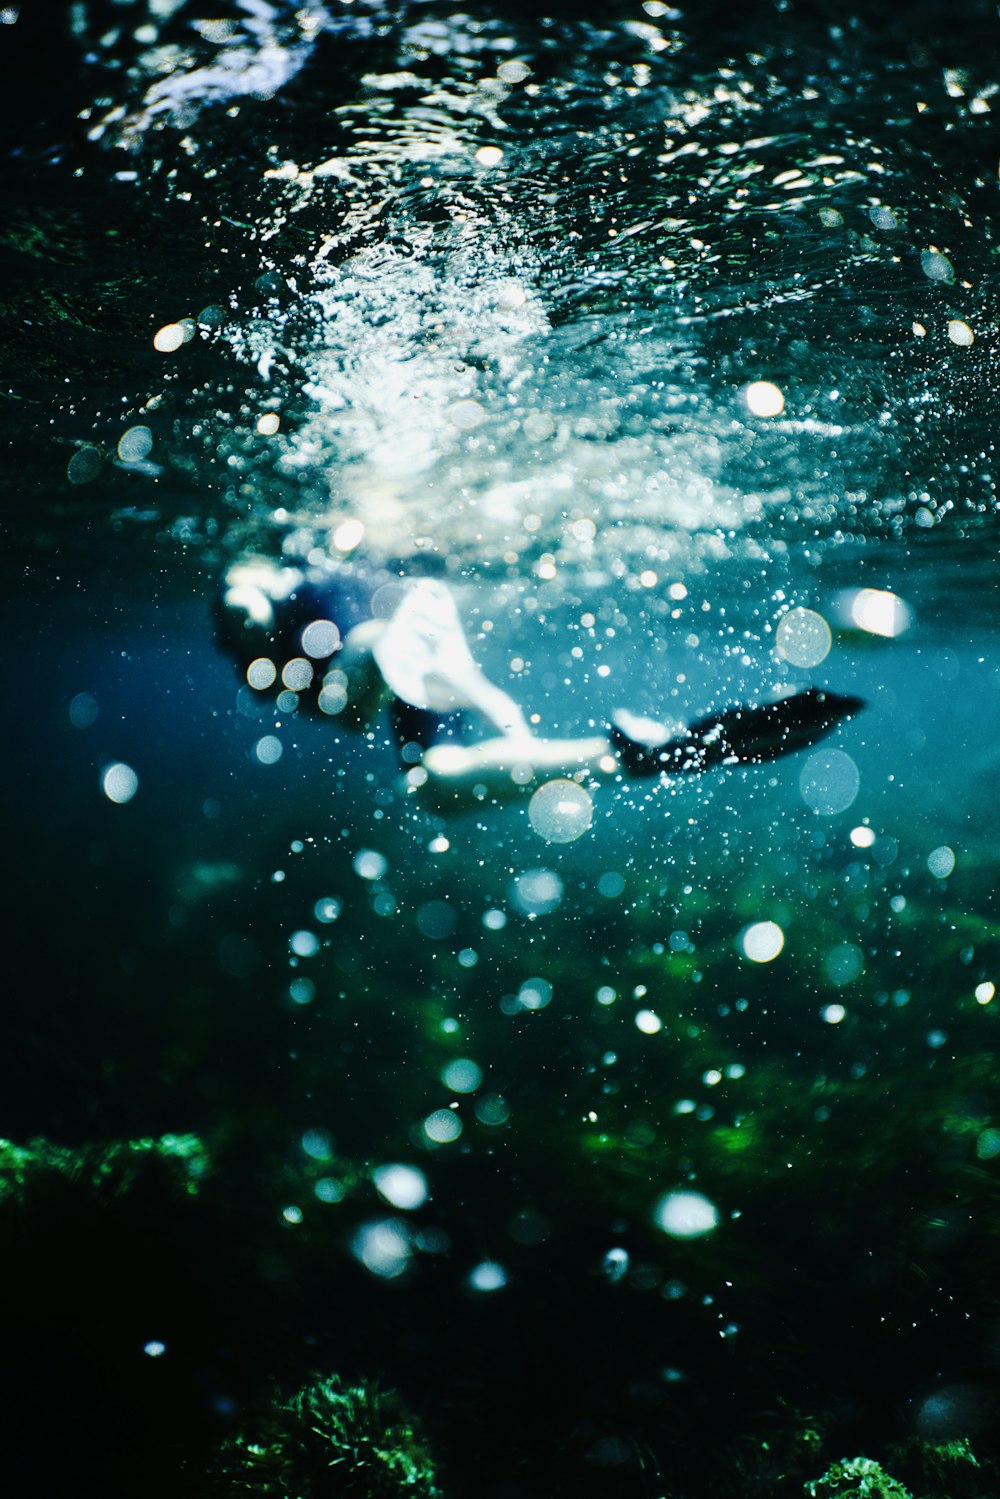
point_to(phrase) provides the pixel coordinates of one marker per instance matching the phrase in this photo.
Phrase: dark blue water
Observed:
(661, 335)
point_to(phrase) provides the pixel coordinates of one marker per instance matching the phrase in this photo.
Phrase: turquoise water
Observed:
(647, 330)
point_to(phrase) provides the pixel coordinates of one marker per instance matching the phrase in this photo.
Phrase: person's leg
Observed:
(739, 736)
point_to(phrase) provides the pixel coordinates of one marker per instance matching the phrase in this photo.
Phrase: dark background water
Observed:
(686, 202)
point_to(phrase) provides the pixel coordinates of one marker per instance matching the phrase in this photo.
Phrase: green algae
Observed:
(330, 1440)
(856, 1478)
(180, 1162)
(944, 1469)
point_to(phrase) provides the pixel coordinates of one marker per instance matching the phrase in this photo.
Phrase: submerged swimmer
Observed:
(318, 631)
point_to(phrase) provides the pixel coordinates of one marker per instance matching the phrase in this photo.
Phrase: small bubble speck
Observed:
(686, 1215)
(168, 339)
(560, 811)
(119, 783)
(84, 466)
(261, 674)
(135, 445)
(762, 941)
(268, 749)
(83, 710)
(763, 398)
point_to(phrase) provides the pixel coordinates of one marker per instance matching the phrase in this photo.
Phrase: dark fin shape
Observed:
(740, 736)
(636, 758)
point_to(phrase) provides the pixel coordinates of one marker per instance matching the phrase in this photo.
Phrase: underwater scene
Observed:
(503, 733)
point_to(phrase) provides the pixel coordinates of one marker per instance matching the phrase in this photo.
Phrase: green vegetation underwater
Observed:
(636, 1138)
